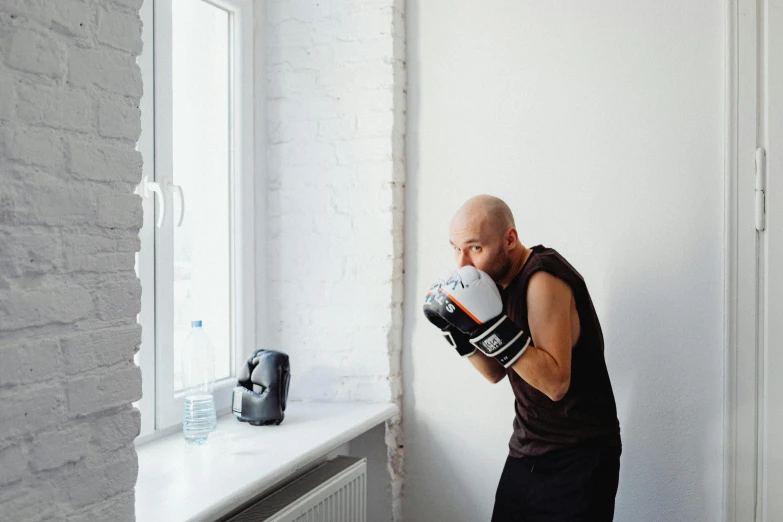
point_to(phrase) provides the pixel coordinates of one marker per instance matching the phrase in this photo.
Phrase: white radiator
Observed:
(335, 491)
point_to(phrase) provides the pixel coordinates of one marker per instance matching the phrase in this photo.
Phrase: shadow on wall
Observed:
(654, 358)
(372, 446)
(319, 383)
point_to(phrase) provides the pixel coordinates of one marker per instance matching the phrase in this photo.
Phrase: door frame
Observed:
(743, 289)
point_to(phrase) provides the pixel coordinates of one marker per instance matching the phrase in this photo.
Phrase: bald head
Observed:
(484, 212)
(482, 234)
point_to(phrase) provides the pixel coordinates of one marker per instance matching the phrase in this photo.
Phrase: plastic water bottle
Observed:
(198, 379)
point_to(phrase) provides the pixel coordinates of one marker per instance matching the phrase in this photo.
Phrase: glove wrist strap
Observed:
(503, 340)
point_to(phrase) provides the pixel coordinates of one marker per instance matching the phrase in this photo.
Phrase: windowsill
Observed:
(179, 482)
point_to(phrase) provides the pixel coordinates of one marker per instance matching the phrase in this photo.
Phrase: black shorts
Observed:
(575, 484)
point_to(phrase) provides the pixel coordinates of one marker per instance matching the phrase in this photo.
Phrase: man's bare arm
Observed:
(546, 364)
(487, 366)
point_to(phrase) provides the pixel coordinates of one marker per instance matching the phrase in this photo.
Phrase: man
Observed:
(526, 314)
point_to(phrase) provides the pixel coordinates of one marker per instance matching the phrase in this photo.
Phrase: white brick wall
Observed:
(336, 115)
(69, 221)
(335, 194)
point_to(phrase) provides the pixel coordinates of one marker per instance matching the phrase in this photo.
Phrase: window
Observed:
(196, 259)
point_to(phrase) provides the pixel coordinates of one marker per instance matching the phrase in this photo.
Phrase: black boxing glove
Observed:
(262, 393)
(470, 302)
(454, 337)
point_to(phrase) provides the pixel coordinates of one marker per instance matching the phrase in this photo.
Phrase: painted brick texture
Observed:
(69, 223)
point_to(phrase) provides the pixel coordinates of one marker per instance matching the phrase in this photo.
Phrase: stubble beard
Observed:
(501, 268)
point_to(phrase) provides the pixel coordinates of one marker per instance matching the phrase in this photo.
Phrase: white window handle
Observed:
(181, 204)
(150, 187)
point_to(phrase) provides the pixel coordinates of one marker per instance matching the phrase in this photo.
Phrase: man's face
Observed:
(477, 244)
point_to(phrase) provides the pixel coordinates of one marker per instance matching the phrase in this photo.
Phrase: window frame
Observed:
(161, 408)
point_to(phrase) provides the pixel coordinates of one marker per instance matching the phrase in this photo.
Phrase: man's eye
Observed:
(456, 249)
(476, 248)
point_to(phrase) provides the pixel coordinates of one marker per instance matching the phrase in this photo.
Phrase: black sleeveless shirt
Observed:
(587, 414)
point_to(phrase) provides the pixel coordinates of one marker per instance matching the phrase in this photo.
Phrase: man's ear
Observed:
(511, 239)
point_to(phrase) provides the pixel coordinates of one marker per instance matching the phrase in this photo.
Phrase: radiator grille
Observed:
(335, 491)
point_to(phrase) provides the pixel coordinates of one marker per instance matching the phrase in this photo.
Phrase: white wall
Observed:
(601, 124)
(69, 225)
(335, 173)
(334, 196)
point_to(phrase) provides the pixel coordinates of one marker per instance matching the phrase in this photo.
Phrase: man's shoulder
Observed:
(555, 263)
(544, 286)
